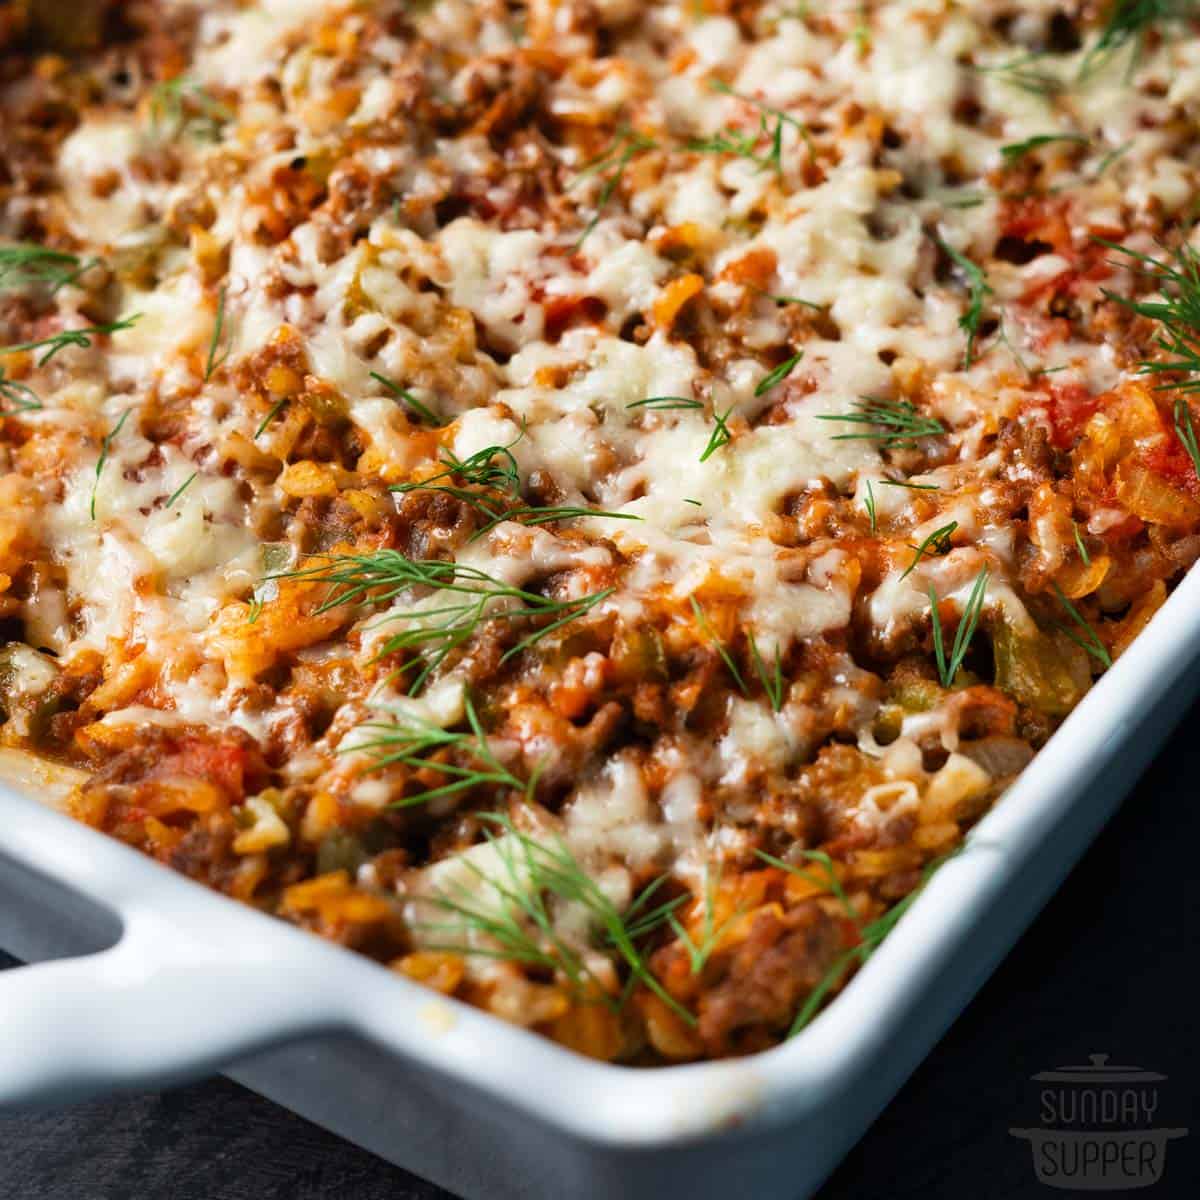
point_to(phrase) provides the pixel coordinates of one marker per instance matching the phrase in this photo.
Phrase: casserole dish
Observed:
(587, 505)
(491, 1111)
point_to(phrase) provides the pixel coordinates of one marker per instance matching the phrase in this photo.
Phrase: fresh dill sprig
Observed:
(666, 403)
(869, 505)
(720, 435)
(1111, 157)
(548, 514)
(1023, 73)
(1186, 432)
(25, 263)
(58, 342)
(1087, 638)
(518, 921)
(422, 410)
(21, 397)
(871, 937)
(181, 105)
(745, 145)
(771, 680)
(710, 635)
(1178, 312)
(272, 413)
(893, 423)
(781, 372)
(406, 740)
(514, 919)
(626, 146)
(105, 447)
(183, 487)
(738, 144)
(1017, 150)
(948, 668)
(214, 346)
(861, 33)
(963, 200)
(494, 470)
(830, 883)
(912, 487)
(1083, 551)
(490, 469)
(785, 300)
(711, 933)
(978, 290)
(467, 598)
(938, 542)
(1129, 23)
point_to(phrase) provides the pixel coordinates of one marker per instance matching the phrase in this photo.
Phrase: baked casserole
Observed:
(586, 502)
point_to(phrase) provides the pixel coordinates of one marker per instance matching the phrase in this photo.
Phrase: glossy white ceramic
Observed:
(170, 981)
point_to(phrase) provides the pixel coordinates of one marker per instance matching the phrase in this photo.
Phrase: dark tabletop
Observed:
(1108, 968)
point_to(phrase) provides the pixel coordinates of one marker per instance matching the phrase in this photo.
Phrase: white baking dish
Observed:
(191, 982)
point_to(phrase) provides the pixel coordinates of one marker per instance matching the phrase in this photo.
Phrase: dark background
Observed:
(1108, 968)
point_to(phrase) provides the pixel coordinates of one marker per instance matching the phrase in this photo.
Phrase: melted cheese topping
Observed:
(328, 227)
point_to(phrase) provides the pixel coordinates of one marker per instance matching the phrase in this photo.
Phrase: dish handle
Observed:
(145, 1013)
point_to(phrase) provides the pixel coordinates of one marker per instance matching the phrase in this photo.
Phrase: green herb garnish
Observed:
(978, 291)
(422, 411)
(406, 740)
(462, 599)
(491, 468)
(745, 145)
(550, 513)
(1129, 23)
(948, 669)
(625, 147)
(183, 487)
(105, 447)
(785, 300)
(720, 435)
(1024, 74)
(912, 487)
(58, 342)
(494, 470)
(25, 263)
(831, 883)
(1110, 158)
(181, 105)
(711, 635)
(781, 372)
(771, 680)
(214, 345)
(869, 504)
(666, 403)
(938, 542)
(21, 397)
(710, 937)
(1016, 150)
(893, 423)
(871, 937)
(517, 920)
(1086, 639)
(272, 413)
(1083, 552)
(1178, 312)
(1185, 431)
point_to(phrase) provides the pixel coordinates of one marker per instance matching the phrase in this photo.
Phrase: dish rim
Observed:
(626, 1107)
